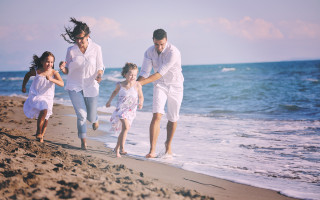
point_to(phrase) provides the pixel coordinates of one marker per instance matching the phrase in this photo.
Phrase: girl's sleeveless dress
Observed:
(40, 97)
(126, 107)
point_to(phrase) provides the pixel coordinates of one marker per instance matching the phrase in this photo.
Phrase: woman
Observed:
(84, 66)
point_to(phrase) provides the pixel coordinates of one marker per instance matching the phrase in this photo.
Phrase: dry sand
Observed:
(59, 169)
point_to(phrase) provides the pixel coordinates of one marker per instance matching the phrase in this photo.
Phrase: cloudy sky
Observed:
(205, 31)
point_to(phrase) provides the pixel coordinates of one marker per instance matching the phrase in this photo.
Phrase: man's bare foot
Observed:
(123, 152)
(151, 155)
(168, 150)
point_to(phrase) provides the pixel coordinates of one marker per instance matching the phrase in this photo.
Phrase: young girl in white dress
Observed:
(130, 96)
(40, 99)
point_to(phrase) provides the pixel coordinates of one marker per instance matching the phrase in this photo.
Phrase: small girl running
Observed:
(130, 91)
(40, 100)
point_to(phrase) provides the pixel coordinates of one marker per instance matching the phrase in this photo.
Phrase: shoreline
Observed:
(61, 134)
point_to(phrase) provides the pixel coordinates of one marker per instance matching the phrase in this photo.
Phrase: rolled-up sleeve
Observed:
(100, 65)
(170, 61)
(146, 66)
(68, 57)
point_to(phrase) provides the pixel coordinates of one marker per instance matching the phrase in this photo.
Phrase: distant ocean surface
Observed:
(255, 123)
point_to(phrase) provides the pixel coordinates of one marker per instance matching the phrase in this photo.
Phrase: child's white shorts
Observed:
(173, 95)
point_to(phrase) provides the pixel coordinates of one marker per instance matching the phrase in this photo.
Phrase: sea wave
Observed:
(12, 78)
(228, 69)
(290, 107)
(312, 80)
(113, 76)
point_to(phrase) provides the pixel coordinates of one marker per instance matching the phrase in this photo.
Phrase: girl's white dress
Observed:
(126, 107)
(40, 97)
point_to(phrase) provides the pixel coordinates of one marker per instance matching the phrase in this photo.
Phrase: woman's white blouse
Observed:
(83, 69)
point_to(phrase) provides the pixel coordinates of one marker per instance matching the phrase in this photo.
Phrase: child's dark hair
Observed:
(159, 34)
(128, 67)
(76, 30)
(37, 62)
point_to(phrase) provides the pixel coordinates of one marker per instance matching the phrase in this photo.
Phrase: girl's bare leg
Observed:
(44, 128)
(119, 149)
(41, 124)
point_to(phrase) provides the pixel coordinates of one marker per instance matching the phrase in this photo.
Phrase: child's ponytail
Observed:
(36, 63)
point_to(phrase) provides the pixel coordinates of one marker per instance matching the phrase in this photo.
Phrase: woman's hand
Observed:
(62, 66)
(99, 78)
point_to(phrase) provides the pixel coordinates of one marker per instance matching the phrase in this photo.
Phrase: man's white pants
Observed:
(173, 95)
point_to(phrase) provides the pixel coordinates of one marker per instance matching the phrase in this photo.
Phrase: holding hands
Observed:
(108, 104)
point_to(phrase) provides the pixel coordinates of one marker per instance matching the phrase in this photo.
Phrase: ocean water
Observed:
(255, 123)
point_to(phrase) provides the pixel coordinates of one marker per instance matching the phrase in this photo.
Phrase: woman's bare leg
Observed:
(83, 143)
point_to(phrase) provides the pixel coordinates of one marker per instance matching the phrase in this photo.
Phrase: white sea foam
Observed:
(19, 95)
(114, 76)
(62, 101)
(269, 154)
(12, 78)
(312, 80)
(228, 69)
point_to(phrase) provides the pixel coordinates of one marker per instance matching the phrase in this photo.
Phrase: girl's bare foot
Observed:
(39, 137)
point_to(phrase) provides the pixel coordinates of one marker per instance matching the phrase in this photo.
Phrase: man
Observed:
(165, 59)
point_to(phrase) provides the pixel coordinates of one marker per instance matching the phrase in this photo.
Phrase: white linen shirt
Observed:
(83, 69)
(167, 63)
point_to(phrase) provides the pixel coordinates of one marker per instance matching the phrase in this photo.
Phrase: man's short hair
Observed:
(159, 34)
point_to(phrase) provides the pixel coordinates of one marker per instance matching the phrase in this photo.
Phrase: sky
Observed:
(205, 31)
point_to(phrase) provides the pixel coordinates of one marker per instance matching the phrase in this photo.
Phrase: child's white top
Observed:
(126, 107)
(40, 97)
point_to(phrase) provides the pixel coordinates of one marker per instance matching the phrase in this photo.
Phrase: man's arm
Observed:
(150, 79)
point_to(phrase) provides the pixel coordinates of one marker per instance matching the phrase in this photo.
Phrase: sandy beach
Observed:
(59, 169)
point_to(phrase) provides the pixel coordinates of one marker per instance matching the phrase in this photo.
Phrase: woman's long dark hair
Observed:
(76, 30)
(37, 62)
